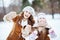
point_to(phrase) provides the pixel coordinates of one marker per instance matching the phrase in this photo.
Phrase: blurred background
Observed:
(47, 6)
(50, 7)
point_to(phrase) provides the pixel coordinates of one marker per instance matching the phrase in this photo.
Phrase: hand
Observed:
(33, 35)
(52, 34)
(26, 30)
(28, 26)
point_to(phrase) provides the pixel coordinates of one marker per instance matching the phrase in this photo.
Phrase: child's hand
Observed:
(26, 31)
(33, 35)
(52, 34)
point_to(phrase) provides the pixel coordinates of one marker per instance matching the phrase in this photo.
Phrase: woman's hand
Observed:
(26, 30)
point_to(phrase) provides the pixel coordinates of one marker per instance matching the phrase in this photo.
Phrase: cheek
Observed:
(29, 15)
(44, 20)
(41, 21)
(25, 16)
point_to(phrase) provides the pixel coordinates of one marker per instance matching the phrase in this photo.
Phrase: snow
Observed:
(6, 27)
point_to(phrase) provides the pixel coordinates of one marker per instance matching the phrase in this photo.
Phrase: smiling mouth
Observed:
(26, 15)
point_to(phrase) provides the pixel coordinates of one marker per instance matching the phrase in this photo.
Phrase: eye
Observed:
(38, 21)
(43, 18)
(28, 12)
(40, 18)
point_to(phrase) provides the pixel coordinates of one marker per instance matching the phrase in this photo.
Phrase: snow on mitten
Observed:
(52, 34)
(33, 35)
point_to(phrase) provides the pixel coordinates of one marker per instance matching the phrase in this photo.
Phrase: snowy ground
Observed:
(5, 27)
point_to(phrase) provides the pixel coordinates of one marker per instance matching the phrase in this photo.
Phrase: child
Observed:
(43, 29)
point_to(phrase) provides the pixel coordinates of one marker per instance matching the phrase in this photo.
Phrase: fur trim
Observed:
(9, 16)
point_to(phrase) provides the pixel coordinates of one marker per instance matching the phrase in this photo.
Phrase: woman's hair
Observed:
(30, 19)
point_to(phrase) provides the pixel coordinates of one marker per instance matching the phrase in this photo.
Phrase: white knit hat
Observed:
(41, 15)
(29, 9)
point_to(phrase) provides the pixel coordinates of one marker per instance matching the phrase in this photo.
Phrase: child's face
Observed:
(42, 21)
(26, 14)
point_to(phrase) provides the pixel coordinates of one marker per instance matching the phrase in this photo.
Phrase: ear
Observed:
(16, 19)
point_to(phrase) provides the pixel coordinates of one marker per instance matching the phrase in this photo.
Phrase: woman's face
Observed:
(26, 14)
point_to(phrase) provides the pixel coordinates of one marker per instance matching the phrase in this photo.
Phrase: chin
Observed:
(26, 17)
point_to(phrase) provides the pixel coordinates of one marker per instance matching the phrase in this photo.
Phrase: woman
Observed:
(20, 22)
